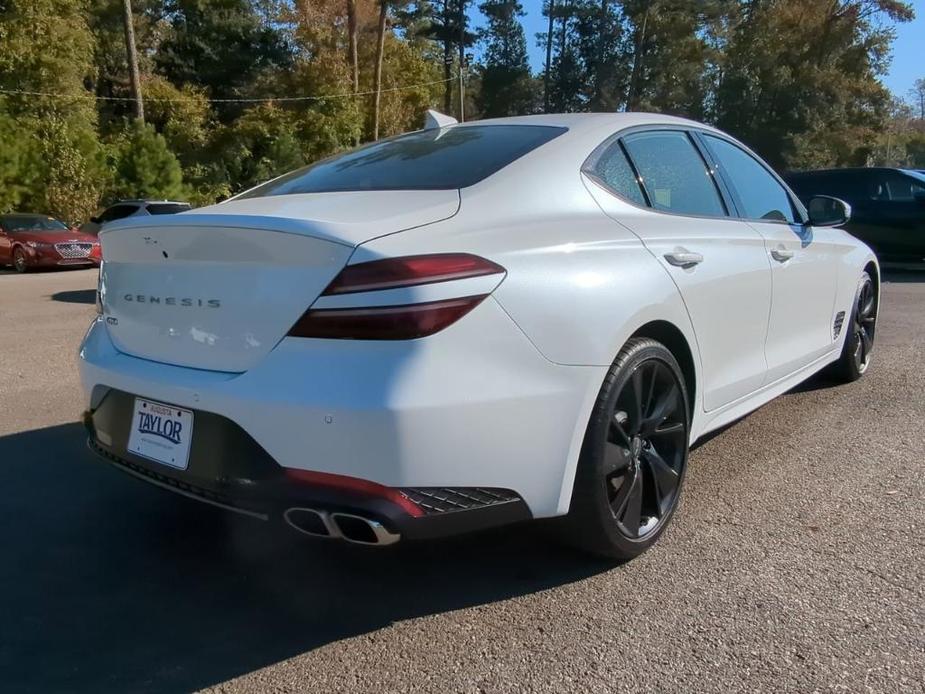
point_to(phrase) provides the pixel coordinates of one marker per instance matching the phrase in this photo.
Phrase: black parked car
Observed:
(887, 206)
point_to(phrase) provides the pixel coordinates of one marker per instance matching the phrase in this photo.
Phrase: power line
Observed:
(94, 97)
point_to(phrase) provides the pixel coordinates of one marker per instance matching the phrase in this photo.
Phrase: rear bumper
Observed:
(228, 469)
(474, 406)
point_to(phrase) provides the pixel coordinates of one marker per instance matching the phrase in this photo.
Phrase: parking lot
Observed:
(796, 562)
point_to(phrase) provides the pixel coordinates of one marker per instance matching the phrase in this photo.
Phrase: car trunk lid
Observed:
(218, 291)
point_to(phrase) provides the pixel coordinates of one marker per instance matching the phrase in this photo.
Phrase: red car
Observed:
(35, 240)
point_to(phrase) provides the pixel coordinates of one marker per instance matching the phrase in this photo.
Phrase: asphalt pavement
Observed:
(795, 563)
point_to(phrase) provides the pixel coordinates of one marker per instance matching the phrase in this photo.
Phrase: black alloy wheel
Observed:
(864, 324)
(632, 464)
(859, 340)
(646, 449)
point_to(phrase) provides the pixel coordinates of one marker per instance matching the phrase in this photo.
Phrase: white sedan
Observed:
(471, 325)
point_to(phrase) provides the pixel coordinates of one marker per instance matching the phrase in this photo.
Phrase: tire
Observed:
(859, 342)
(20, 262)
(634, 455)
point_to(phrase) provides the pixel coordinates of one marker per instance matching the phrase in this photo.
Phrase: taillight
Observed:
(397, 322)
(392, 273)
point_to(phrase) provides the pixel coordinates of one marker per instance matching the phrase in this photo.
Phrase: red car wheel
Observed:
(20, 262)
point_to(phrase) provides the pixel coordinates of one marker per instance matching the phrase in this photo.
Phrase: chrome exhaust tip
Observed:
(308, 521)
(349, 527)
(363, 531)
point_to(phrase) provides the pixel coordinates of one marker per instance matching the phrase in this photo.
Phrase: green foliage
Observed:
(17, 162)
(221, 45)
(182, 115)
(259, 145)
(143, 166)
(507, 85)
(798, 81)
(47, 47)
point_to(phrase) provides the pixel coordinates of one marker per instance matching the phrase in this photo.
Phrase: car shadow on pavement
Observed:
(76, 296)
(107, 584)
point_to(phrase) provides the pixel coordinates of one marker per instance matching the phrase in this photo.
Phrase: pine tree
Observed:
(507, 86)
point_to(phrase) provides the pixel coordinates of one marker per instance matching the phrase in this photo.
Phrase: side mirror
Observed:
(826, 211)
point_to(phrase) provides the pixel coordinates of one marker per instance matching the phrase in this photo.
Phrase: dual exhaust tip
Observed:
(341, 526)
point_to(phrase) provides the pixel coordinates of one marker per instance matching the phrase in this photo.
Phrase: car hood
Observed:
(54, 237)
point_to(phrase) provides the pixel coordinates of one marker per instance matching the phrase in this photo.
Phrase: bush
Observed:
(143, 165)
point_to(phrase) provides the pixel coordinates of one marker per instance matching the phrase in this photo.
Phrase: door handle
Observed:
(684, 258)
(781, 255)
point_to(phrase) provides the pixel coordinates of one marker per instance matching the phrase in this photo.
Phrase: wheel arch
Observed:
(873, 270)
(671, 336)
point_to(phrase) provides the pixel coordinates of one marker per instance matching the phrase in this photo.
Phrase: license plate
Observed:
(161, 433)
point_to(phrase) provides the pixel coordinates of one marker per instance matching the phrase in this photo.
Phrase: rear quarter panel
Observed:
(578, 283)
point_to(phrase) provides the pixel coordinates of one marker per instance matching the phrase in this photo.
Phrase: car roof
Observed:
(590, 121)
(146, 201)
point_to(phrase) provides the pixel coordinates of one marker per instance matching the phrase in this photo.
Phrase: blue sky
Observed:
(908, 50)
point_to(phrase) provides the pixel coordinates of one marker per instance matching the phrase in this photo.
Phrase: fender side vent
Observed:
(839, 321)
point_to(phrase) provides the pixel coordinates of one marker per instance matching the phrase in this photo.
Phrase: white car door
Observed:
(804, 261)
(719, 263)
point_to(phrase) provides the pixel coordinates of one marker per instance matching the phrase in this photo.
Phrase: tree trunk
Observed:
(632, 96)
(380, 49)
(133, 60)
(462, 58)
(447, 60)
(598, 100)
(352, 39)
(548, 70)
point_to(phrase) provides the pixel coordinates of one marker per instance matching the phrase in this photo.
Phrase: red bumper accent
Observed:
(357, 486)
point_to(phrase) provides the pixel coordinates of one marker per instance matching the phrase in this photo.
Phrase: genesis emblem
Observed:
(183, 302)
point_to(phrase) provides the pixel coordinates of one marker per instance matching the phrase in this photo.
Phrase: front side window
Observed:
(613, 170)
(438, 159)
(674, 174)
(759, 192)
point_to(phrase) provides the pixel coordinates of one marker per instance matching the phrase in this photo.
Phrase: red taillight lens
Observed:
(391, 322)
(392, 273)
(384, 322)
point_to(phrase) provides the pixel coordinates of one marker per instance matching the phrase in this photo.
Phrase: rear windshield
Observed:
(167, 207)
(439, 159)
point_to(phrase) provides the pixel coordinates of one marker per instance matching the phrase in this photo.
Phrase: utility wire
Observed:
(348, 95)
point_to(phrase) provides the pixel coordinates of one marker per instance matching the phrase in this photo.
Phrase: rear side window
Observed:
(903, 187)
(167, 208)
(674, 174)
(439, 159)
(613, 170)
(759, 192)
